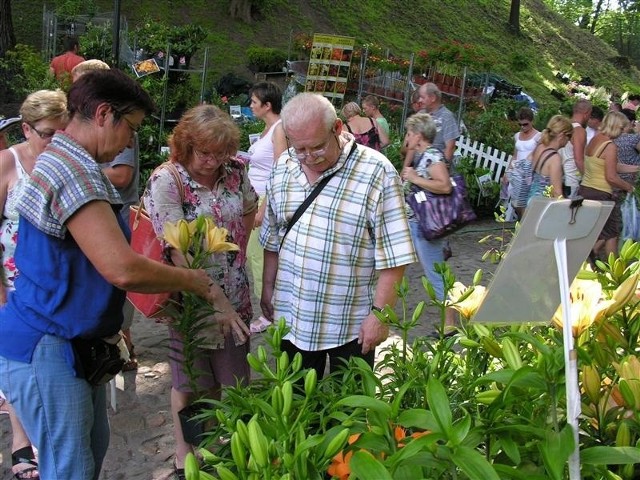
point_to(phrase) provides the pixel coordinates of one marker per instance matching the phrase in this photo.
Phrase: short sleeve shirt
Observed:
(447, 127)
(327, 265)
(58, 292)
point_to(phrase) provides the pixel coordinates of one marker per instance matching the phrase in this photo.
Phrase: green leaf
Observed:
(556, 449)
(460, 430)
(508, 472)
(439, 405)
(610, 455)
(366, 467)
(363, 401)
(510, 448)
(397, 401)
(473, 464)
(306, 444)
(412, 448)
(417, 418)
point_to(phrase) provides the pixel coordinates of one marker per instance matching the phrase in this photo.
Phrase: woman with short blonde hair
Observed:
(43, 112)
(601, 177)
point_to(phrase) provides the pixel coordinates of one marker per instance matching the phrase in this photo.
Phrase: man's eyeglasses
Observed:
(524, 124)
(42, 135)
(320, 152)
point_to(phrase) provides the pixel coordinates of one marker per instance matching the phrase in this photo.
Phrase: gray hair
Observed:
(432, 89)
(307, 109)
(351, 109)
(422, 124)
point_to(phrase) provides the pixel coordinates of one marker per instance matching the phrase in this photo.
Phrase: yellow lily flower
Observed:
(469, 306)
(587, 306)
(177, 235)
(193, 226)
(215, 241)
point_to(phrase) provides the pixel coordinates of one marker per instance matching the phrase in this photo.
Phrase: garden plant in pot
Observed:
(191, 315)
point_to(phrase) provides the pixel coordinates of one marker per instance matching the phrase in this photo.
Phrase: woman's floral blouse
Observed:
(231, 199)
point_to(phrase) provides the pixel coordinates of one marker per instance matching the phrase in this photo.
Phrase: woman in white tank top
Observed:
(43, 112)
(266, 103)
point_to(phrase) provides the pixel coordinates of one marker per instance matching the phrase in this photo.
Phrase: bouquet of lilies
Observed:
(197, 241)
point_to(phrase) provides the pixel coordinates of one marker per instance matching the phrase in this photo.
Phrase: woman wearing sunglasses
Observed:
(43, 112)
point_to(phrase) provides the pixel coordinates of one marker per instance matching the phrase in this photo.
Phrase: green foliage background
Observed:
(548, 42)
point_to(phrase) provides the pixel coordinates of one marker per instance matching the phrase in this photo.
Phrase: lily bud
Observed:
(623, 294)
(591, 382)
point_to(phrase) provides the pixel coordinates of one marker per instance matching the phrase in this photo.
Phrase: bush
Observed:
(494, 126)
(97, 42)
(22, 71)
(262, 59)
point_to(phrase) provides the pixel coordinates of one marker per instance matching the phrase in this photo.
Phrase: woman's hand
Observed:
(230, 322)
(409, 174)
(257, 222)
(226, 317)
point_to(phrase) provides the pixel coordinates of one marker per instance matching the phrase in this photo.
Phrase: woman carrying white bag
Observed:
(628, 144)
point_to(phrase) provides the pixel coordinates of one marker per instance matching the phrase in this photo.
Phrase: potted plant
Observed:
(191, 316)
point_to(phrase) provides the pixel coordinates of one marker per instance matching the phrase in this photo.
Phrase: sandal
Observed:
(25, 456)
(259, 325)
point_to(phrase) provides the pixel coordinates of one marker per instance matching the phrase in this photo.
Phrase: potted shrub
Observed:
(152, 37)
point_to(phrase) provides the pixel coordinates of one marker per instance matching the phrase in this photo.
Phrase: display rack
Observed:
(166, 68)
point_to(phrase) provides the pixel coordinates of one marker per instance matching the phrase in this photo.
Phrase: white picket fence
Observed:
(488, 157)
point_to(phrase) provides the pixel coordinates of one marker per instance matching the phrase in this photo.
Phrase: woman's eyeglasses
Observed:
(217, 157)
(524, 124)
(43, 135)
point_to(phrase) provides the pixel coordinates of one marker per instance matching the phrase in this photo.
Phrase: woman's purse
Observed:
(439, 215)
(145, 242)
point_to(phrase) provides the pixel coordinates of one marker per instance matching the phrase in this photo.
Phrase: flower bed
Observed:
(487, 403)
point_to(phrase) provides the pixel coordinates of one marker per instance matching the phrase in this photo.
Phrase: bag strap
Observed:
(310, 198)
(601, 148)
(542, 161)
(169, 165)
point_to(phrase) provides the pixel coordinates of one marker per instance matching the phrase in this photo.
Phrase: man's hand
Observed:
(372, 333)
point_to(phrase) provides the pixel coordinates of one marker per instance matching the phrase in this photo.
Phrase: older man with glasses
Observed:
(328, 268)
